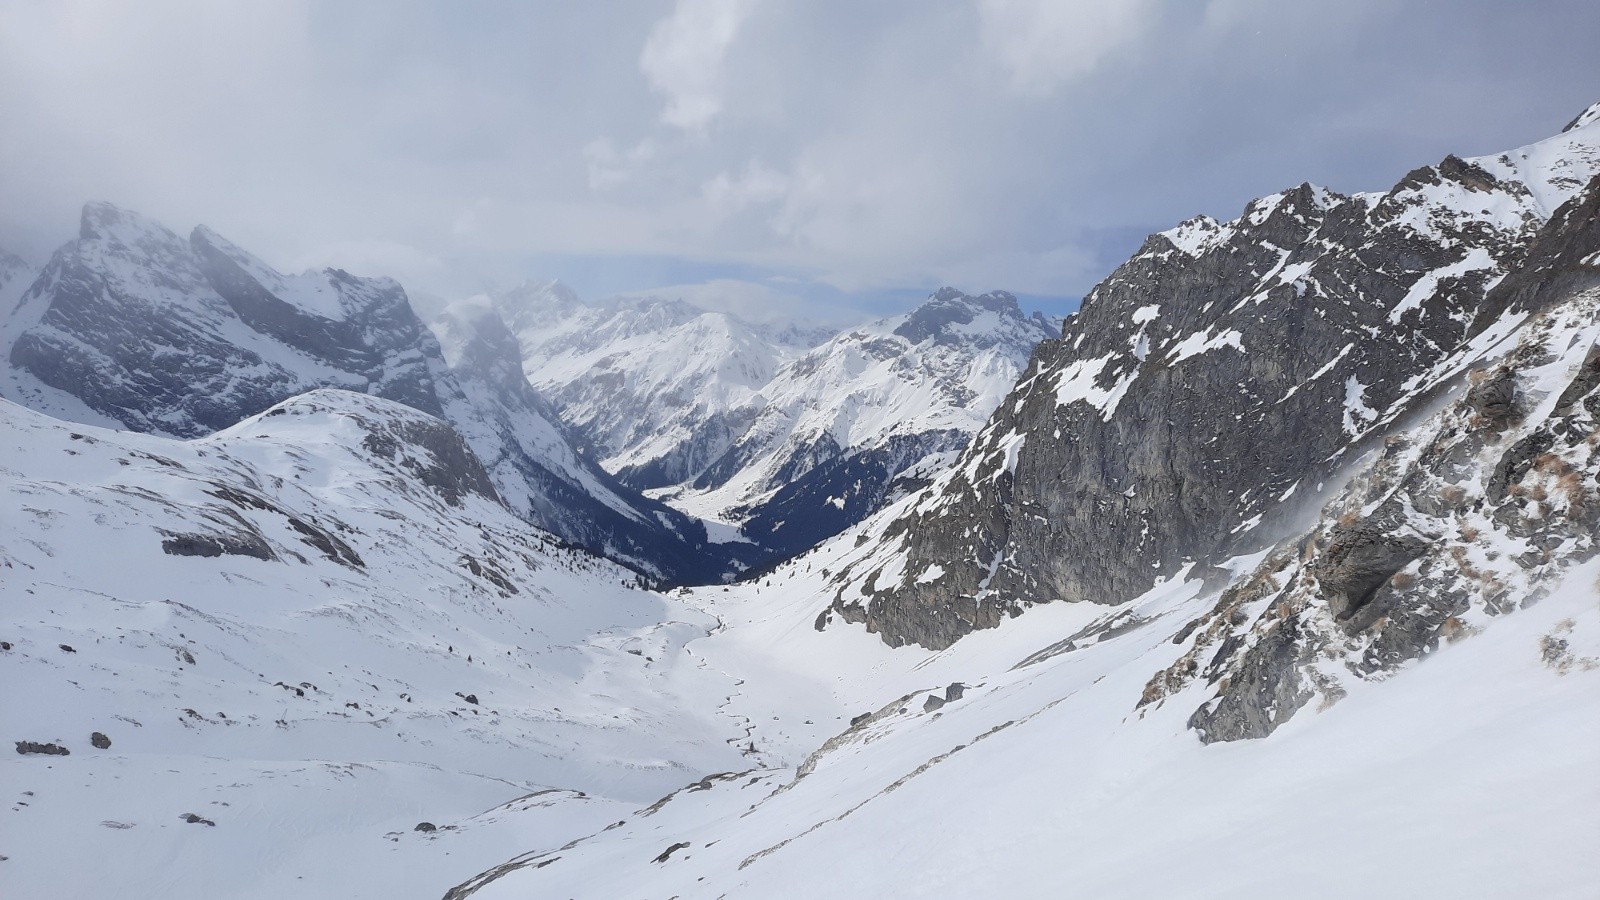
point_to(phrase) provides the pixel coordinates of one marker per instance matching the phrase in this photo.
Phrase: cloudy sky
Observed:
(787, 155)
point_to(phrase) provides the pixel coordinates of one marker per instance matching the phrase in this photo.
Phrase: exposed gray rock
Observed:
(26, 748)
(1494, 398)
(1222, 367)
(1362, 595)
(238, 544)
(667, 853)
(99, 741)
(1359, 559)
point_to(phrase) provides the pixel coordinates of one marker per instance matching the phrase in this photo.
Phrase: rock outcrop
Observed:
(1224, 371)
(1464, 517)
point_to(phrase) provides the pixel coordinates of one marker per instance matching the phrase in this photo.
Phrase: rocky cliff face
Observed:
(132, 326)
(1472, 514)
(186, 337)
(1223, 370)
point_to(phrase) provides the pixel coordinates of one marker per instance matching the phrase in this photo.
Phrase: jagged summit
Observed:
(941, 316)
(104, 221)
(1201, 234)
(1587, 117)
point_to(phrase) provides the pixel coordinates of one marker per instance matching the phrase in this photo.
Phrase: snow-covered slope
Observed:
(315, 629)
(843, 420)
(132, 326)
(658, 388)
(1101, 750)
(15, 276)
(276, 651)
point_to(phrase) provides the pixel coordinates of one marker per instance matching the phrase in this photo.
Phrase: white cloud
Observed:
(610, 167)
(753, 301)
(683, 58)
(756, 185)
(867, 146)
(1043, 44)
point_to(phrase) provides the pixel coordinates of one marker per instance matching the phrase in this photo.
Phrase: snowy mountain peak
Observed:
(102, 221)
(534, 304)
(328, 294)
(1584, 119)
(1201, 234)
(412, 447)
(13, 270)
(941, 316)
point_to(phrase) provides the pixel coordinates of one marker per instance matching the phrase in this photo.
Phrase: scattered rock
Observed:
(857, 720)
(681, 845)
(100, 741)
(1359, 560)
(933, 702)
(470, 698)
(25, 748)
(193, 819)
(954, 692)
(5, 645)
(1494, 398)
(425, 827)
(66, 648)
(213, 545)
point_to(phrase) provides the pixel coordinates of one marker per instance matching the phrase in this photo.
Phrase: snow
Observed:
(1357, 414)
(1204, 342)
(864, 387)
(1198, 235)
(962, 805)
(314, 792)
(311, 292)
(1477, 259)
(647, 379)
(1077, 382)
(1145, 314)
(317, 708)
